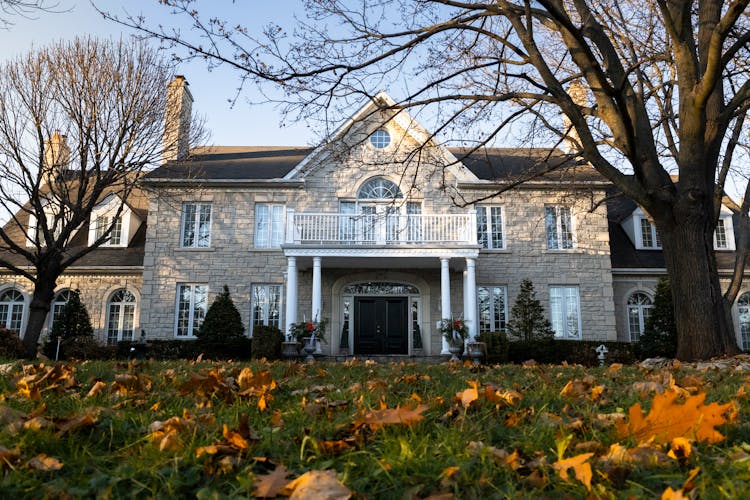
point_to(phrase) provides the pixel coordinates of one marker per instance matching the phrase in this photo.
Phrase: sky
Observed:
(238, 125)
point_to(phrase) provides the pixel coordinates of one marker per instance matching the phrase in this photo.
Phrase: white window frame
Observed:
(102, 223)
(265, 306)
(726, 221)
(640, 308)
(120, 321)
(271, 236)
(560, 324)
(654, 234)
(192, 328)
(7, 317)
(743, 312)
(558, 209)
(197, 242)
(492, 310)
(57, 305)
(485, 233)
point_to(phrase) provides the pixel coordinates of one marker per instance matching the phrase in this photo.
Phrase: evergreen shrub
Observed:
(267, 342)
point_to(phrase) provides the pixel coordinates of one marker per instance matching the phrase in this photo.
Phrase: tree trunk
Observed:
(44, 293)
(704, 325)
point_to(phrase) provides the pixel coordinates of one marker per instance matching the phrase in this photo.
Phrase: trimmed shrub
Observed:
(73, 326)
(527, 320)
(11, 346)
(660, 332)
(267, 342)
(236, 348)
(497, 346)
(582, 352)
(222, 321)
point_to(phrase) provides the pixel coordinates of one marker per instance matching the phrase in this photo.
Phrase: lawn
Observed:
(211, 430)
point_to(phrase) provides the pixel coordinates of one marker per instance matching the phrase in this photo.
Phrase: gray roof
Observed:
(274, 162)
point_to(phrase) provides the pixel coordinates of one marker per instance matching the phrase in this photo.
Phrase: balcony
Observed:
(380, 229)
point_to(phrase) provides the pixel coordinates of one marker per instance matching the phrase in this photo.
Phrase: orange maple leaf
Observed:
(668, 420)
(580, 466)
(390, 416)
(317, 484)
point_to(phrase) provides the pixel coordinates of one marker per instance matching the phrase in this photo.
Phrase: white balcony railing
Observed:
(380, 229)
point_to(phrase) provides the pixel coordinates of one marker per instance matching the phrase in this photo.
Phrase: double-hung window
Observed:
(565, 313)
(490, 227)
(491, 302)
(192, 303)
(115, 236)
(266, 306)
(269, 225)
(559, 225)
(196, 225)
(649, 234)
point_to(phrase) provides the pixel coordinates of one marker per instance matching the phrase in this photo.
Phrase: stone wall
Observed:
(96, 290)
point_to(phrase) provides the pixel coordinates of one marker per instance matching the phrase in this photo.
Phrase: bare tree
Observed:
(23, 8)
(646, 89)
(79, 121)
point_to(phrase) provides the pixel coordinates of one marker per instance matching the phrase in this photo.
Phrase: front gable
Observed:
(378, 142)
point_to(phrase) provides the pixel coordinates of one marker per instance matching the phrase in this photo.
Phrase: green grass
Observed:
(116, 457)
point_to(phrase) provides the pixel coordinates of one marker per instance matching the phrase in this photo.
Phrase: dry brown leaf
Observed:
(269, 485)
(390, 416)
(317, 485)
(235, 439)
(44, 463)
(74, 423)
(668, 420)
(468, 396)
(11, 416)
(580, 466)
(97, 389)
(9, 457)
(335, 447)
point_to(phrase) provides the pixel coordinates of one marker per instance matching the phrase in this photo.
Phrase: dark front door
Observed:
(380, 325)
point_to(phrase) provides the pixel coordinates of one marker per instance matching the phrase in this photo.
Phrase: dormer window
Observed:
(115, 236)
(649, 235)
(724, 232)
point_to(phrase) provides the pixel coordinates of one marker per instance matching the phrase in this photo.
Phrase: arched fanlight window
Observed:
(639, 310)
(62, 298)
(379, 189)
(11, 309)
(120, 316)
(743, 311)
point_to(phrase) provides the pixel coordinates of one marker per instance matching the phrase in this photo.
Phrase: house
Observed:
(380, 231)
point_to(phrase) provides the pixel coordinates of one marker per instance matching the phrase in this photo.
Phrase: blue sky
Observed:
(238, 125)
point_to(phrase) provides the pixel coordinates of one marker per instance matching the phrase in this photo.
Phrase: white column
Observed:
(291, 293)
(470, 311)
(445, 297)
(317, 293)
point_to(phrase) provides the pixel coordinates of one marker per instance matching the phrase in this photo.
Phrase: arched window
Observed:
(62, 298)
(380, 139)
(11, 309)
(379, 189)
(120, 316)
(639, 310)
(743, 311)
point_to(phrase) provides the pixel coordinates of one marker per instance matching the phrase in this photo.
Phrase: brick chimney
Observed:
(577, 92)
(175, 144)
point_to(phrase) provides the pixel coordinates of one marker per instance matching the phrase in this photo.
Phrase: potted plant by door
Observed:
(309, 333)
(454, 332)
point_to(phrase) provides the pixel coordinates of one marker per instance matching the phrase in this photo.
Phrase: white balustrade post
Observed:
(470, 312)
(290, 225)
(445, 297)
(291, 293)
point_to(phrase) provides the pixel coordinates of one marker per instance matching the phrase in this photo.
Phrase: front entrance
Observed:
(381, 325)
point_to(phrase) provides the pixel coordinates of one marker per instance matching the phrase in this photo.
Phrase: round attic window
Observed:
(380, 139)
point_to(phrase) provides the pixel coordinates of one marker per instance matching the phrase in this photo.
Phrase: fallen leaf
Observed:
(390, 416)
(74, 423)
(680, 449)
(269, 485)
(580, 466)
(468, 396)
(96, 389)
(317, 485)
(44, 463)
(668, 420)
